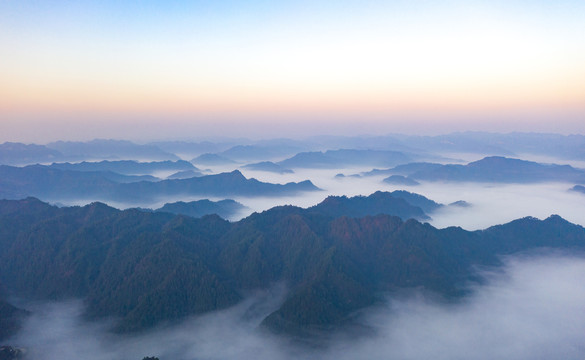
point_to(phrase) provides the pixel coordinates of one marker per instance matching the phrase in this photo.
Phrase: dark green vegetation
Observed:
(10, 319)
(224, 208)
(11, 353)
(147, 268)
(55, 184)
(399, 203)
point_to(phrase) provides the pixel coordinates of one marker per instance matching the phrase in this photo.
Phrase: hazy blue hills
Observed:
(146, 268)
(494, 169)
(12, 153)
(260, 152)
(54, 185)
(579, 188)
(400, 180)
(268, 166)
(404, 169)
(223, 208)
(109, 149)
(185, 174)
(501, 169)
(334, 159)
(212, 160)
(128, 167)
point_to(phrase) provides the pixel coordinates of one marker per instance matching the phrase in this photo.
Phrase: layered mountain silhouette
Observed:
(224, 208)
(334, 159)
(145, 268)
(268, 166)
(12, 153)
(494, 169)
(54, 184)
(212, 160)
(128, 167)
(109, 149)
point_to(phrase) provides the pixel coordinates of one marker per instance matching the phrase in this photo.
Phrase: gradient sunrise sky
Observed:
(182, 69)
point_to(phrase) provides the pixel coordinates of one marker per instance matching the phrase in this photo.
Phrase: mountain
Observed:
(56, 185)
(127, 167)
(268, 166)
(400, 180)
(374, 204)
(578, 188)
(224, 208)
(212, 160)
(109, 149)
(405, 169)
(501, 169)
(12, 153)
(259, 152)
(10, 319)
(185, 174)
(189, 149)
(333, 159)
(489, 169)
(146, 268)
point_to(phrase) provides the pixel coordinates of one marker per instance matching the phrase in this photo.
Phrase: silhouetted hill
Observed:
(400, 180)
(11, 318)
(55, 185)
(579, 188)
(145, 268)
(127, 167)
(224, 208)
(377, 203)
(268, 166)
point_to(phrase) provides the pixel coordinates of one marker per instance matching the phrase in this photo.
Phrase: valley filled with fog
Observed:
(521, 298)
(532, 308)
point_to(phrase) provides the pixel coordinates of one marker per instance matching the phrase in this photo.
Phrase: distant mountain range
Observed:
(212, 160)
(145, 268)
(20, 154)
(495, 169)
(101, 149)
(56, 185)
(223, 208)
(25, 154)
(335, 159)
(579, 188)
(128, 167)
(268, 166)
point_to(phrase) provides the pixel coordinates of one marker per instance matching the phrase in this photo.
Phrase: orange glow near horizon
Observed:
(385, 61)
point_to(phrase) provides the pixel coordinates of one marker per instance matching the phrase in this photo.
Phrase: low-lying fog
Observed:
(491, 204)
(532, 308)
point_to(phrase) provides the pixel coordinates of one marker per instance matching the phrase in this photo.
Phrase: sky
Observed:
(185, 69)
